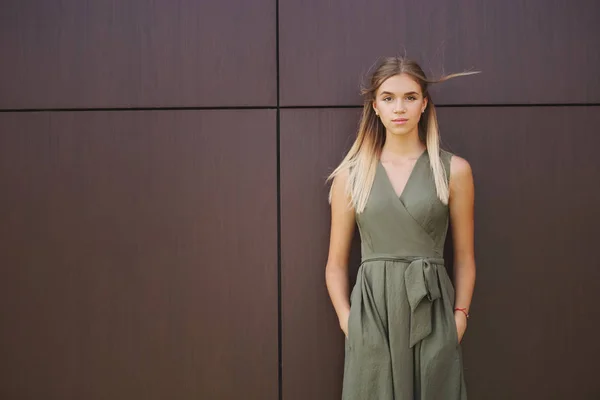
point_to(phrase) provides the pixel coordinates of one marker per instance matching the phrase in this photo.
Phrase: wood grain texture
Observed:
(138, 255)
(533, 331)
(530, 52)
(164, 53)
(312, 346)
(532, 334)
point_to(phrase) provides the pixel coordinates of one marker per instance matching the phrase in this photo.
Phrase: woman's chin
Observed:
(401, 131)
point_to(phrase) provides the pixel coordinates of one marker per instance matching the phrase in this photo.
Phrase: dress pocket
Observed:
(454, 329)
(351, 312)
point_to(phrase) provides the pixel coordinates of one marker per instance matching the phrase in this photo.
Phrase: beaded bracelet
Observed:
(464, 310)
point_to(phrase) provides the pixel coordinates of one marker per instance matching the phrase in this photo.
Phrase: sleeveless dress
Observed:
(402, 342)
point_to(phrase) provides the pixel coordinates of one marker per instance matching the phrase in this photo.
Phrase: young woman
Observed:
(403, 320)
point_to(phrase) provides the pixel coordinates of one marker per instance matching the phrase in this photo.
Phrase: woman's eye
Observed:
(387, 98)
(411, 98)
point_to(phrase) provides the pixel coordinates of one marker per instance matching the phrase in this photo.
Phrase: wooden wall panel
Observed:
(138, 255)
(532, 334)
(534, 326)
(312, 342)
(537, 51)
(164, 53)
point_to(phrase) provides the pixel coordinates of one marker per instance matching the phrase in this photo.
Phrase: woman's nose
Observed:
(399, 106)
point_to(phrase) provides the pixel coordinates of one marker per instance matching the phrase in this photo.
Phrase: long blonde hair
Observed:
(361, 160)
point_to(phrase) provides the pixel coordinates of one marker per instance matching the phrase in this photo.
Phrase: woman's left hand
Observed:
(461, 324)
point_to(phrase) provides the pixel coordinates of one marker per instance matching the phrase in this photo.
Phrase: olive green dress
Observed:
(402, 342)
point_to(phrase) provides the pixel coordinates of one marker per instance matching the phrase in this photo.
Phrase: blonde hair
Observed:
(361, 160)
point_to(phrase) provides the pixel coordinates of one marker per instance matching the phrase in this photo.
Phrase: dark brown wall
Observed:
(531, 52)
(115, 54)
(122, 275)
(158, 240)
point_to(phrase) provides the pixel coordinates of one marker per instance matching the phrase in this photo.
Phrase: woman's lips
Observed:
(399, 120)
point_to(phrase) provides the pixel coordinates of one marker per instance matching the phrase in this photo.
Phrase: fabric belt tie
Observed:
(422, 289)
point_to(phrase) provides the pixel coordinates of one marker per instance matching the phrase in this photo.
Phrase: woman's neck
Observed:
(405, 146)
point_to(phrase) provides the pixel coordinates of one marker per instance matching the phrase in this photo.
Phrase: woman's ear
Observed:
(425, 102)
(375, 108)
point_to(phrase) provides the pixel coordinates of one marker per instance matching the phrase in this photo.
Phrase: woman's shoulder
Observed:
(455, 165)
(446, 155)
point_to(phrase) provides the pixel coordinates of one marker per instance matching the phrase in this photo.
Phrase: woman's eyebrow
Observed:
(406, 94)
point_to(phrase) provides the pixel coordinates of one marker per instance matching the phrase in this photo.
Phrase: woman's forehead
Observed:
(399, 84)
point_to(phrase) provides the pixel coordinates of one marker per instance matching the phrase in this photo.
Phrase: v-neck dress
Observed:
(402, 342)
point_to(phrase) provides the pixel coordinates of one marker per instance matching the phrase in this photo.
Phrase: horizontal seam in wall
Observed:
(283, 107)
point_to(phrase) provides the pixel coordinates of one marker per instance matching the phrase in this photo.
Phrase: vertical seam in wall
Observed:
(278, 158)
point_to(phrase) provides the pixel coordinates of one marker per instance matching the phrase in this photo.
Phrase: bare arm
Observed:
(342, 231)
(461, 203)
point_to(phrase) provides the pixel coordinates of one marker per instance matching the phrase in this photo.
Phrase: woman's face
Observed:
(400, 104)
